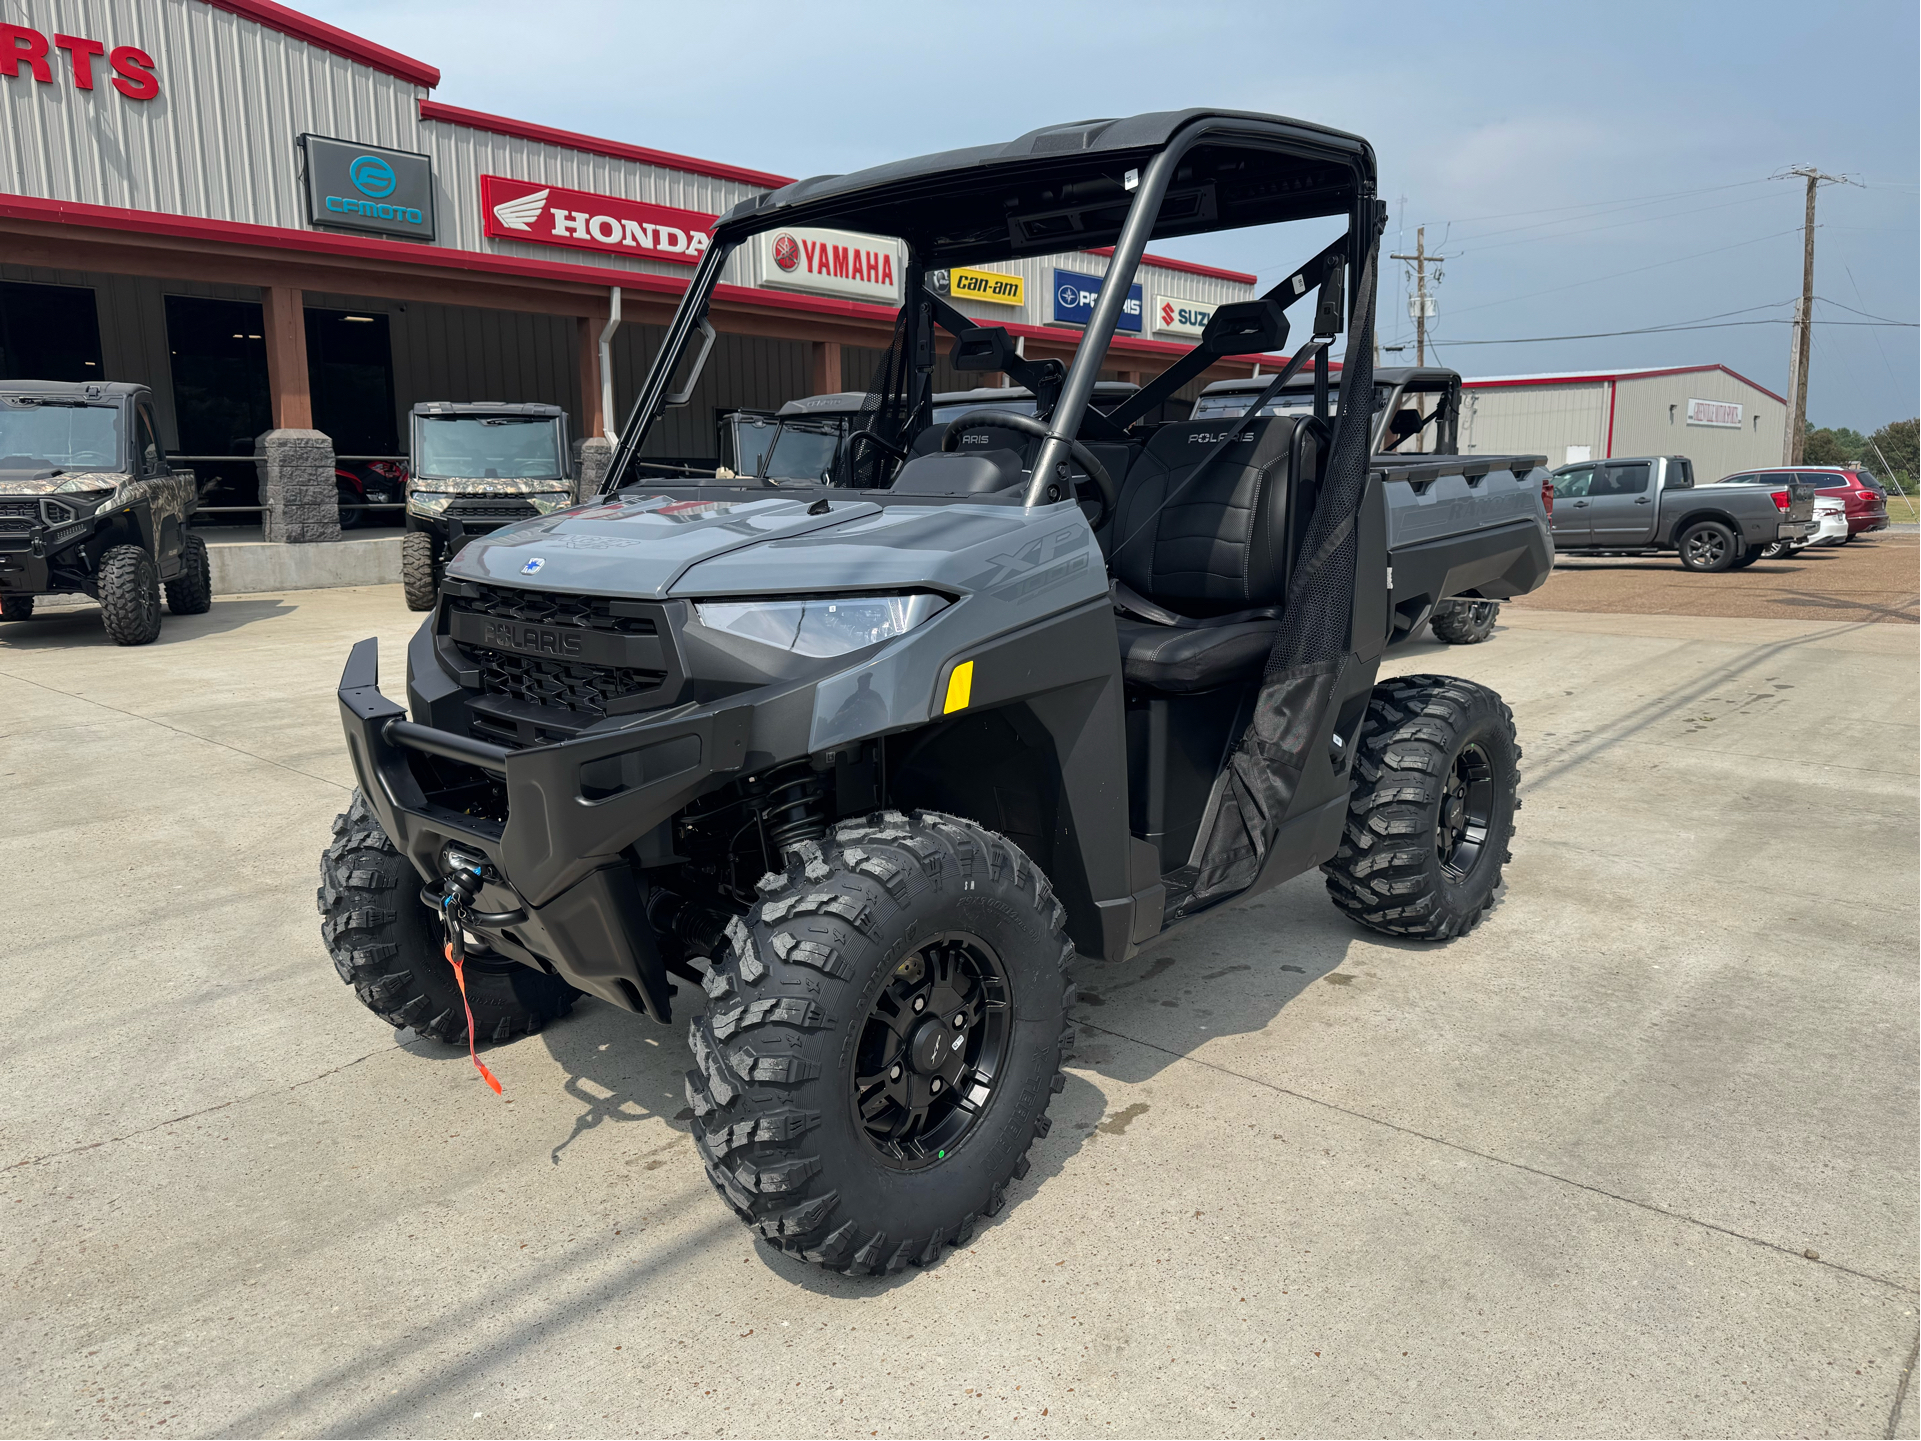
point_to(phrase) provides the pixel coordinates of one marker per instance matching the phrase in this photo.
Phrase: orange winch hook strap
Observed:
(460, 979)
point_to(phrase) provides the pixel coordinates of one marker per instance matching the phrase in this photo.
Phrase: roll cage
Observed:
(1120, 183)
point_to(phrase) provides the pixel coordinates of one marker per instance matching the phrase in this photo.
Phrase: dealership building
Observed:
(1721, 421)
(272, 223)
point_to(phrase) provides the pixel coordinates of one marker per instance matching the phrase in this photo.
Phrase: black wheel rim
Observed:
(1481, 613)
(933, 1051)
(1467, 811)
(150, 596)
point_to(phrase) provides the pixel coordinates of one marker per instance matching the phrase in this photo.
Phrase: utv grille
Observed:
(19, 510)
(58, 512)
(540, 607)
(20, 514)
(586, 690)
(493, 510)
(628, 662)
(15, 527)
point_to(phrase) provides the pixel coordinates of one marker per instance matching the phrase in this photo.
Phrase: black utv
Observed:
(877, 765)
(473, 467)
(90, 506)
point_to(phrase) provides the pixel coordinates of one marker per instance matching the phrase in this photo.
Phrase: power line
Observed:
(1616, 275)
(1852, 311)
(1665, 329)
(1604, 204)
(1474, 249)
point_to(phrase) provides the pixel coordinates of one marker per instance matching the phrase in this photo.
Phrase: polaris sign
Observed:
(1074, 297)
(365, 187)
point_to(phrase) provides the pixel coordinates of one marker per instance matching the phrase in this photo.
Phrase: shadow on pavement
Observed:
(79, 626)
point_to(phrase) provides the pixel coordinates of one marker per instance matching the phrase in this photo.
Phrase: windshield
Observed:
(64, 437)
(1288, 402)
(487, 447)
(804, 450)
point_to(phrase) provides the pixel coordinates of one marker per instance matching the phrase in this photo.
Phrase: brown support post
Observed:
(827, 379)
(587, 348)
(284, 318)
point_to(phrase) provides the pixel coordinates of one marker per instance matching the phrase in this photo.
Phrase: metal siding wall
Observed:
(218, 140)
(1642, 426)
(744, 372)
(1535, 419)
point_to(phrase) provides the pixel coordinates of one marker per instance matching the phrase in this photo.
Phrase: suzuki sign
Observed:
(832, 262)
(1175, 316)
(1074, 297)
(582, 220)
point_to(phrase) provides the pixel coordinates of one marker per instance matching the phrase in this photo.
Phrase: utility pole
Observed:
(1793, 449)
(1420, 257)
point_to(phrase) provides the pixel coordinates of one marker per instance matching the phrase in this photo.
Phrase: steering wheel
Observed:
(1027, 425)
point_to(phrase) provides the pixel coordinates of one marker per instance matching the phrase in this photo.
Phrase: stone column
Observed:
(296, 470)
(592, 457)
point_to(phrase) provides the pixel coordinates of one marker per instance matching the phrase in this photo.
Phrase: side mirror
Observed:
(1406, 423)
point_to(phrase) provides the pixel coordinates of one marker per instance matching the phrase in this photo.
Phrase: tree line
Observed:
(1890, 453)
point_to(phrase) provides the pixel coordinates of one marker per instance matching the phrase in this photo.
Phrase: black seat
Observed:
(1217, 550)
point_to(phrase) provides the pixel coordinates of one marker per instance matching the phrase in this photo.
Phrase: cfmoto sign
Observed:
(368, 188)
(372, 176)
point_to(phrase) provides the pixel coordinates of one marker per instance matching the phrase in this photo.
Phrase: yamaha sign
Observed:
(368, 188)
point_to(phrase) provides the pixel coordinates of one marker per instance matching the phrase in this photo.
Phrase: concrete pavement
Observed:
(1561, 1177)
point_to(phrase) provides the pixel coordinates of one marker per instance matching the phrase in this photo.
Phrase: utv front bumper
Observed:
(560, 895)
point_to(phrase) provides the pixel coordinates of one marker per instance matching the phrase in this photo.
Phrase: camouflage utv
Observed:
(90, 506)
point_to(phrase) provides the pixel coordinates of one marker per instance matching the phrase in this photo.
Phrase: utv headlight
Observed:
(823, 626)
(428, 502)
(548, 501)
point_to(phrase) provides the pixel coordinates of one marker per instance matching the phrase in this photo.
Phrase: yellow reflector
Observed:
(960, 685)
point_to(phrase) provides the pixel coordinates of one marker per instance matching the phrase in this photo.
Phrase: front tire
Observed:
(191, 592)
(387, 946)
(1430, 811)
(1465, 622)
(16, 607)
(1707, 547)
(420, 569)
(884, 1033)
(129, 589)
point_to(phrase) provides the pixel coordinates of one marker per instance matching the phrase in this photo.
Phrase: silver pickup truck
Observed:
(1648, 504)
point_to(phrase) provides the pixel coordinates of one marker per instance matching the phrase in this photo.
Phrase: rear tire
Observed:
(1708, 546)
(1465, 622)
(1430, 811)
(191, 592)
(1749, 557)
(387, 946)
(420, 569)
(825, 1100)
(130, 596)
(16, 607)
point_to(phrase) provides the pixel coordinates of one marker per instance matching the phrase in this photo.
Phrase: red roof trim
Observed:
(592, 145)
(1615, 375)
(1183, 265)
(395, 252)
(332, 38)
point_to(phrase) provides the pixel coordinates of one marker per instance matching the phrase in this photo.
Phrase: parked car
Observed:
(1831, 528)
(1867, 502)
(1648, 504)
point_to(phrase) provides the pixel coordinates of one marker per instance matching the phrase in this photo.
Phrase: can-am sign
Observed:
(582, 220)
(1075, 294)
(1175, 316)
(1714, 412)
(832, 262)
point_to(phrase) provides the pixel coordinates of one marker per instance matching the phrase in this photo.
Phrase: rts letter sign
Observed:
(133, 73)
(553, 215)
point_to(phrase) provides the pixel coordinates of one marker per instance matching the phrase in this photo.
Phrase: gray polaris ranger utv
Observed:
(90, 506)
(472, 468)
(873, 763)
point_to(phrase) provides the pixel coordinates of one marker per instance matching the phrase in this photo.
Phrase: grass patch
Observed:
(1902, 507)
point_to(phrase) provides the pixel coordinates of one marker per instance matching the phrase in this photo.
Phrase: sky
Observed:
(1586, 168)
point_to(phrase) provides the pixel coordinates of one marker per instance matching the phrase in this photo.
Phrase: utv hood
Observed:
(640, 546)
(52, 480)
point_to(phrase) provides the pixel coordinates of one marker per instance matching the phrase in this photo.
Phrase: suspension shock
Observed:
(791, 806)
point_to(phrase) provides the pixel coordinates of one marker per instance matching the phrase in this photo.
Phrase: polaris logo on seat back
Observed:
(530, 639)
(1202, 437)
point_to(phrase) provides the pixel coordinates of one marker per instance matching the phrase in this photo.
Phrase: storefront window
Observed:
(350, 367)
(49, 332)
(475, 447)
